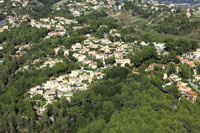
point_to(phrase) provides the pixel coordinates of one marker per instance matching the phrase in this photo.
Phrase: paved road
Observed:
(44, 107)
(196, 87)
(3, 22)
(161, 14)
(16, 18)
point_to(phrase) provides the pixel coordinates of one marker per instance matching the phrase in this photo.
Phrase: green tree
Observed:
(186, 72)
(110, 60)
(60, 53)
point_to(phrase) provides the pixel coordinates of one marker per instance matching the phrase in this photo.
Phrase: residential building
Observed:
(197, 77)
(174, 78)
(76, 46)
(159, 46)
(93, 65)
(97, 75)
(81, 58)
(191, 95)
(86, 77)
(123, 62)
(50, 94)
(75, 81)
(64, 87)
(75, 73)
(182, 60)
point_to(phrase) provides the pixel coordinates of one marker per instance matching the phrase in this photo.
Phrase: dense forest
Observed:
(177, 25)
(120, 102)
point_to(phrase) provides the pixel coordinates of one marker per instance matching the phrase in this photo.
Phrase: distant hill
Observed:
(181, 1)
(49, 2)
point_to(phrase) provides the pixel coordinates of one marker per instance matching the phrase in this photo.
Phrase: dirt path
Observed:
(59, 3)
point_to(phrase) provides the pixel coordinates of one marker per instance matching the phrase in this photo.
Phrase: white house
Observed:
(93, 46)
(96, 41)
(93, 65)
(50, 94)
(66, 51)
(126, 61)
(36, 90)
(87, 42)
(197, 77)
(86, 61)
(144, 44)
(64, 87)
(86, 77)
(122, 62)
(105, 41)
(159, 46)
(119, 60)
(100, 56)
(76, 46)
(1, 47)
(76, 55)
(75, 81)
(81, 58)
(97, 75)
(118, 54)
(93, 53)
(83, 50)
(75, 73)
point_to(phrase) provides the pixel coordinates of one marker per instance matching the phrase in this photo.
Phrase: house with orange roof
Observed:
(174, 77)
(191, 95)
(93, 65)
(182, 60)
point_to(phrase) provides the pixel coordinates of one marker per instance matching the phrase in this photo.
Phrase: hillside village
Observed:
(90, 66)
(95, 54)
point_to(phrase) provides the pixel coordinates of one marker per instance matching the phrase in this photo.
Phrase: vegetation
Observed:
(118, 101)
(122, 101)
(147, 53)
(177, 25)
(26, 34)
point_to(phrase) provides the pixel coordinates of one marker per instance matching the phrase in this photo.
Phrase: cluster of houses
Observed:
(191, 63)
(65, 85)
(159, 46)
(12, 20)
(183, 87)
(194, 55)
(23, 3)
(50, 62)
(188, 89)
(57, 24)
(86, 53)
(78, 8)
(100, 49)
(89, 51)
